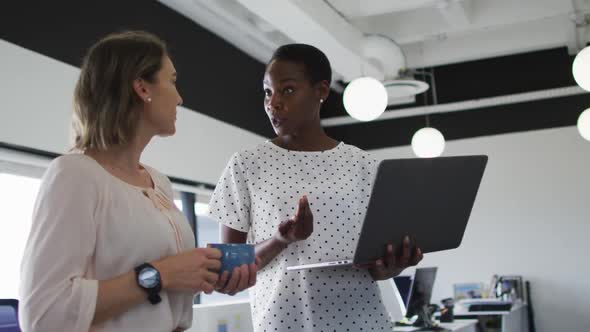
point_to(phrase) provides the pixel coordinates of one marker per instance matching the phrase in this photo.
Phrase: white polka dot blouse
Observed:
(259, 189)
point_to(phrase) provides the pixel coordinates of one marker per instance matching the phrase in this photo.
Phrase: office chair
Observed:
(9, 315)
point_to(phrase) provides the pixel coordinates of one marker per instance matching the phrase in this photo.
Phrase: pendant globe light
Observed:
(365, 98)
(428, 142)
(581, 72)
(584, 124)
(581, 68)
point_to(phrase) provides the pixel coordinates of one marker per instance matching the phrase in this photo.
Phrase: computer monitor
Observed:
(420, 296)
(403, 284)
(9, 315)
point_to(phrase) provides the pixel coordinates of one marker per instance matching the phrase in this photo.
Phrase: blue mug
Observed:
(234, 255)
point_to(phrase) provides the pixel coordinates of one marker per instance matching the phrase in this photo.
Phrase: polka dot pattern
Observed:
(260, 188)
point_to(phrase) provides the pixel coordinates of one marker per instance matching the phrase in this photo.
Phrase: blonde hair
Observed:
(104, 97)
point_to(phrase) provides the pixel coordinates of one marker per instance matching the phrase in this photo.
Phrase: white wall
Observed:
(35, 111)
(531, 217)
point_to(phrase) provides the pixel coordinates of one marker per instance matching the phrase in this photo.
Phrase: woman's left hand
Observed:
(394, 262)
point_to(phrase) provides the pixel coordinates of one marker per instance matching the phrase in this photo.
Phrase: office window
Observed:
(17, 198)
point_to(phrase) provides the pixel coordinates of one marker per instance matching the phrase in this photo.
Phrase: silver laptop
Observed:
(428, 199)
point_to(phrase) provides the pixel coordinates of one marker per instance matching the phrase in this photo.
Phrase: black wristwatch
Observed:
(148, 279)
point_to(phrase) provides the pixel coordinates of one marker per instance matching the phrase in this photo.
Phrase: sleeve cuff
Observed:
(232, 223)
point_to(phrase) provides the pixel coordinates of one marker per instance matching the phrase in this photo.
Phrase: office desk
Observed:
(515, 320)
(463, 325)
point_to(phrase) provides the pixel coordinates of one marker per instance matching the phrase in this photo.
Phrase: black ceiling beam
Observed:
(519, 117)
(215, 78)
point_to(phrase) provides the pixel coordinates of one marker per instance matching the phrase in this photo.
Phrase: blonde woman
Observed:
(108, 250)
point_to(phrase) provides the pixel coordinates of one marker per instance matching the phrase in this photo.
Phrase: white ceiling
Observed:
(429, 32)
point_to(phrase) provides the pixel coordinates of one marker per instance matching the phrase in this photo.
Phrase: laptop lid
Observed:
(428, 199)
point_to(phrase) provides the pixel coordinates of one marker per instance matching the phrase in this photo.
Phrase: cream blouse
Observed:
(89, 225)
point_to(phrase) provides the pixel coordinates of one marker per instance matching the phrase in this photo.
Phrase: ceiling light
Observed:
(365, 98)
(584, 124)
(581, 68)
(428, 142)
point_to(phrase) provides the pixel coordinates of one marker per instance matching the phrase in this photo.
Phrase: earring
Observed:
(321, 101)
(149, 99)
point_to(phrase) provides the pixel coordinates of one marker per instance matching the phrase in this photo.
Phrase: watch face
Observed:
(148, 277)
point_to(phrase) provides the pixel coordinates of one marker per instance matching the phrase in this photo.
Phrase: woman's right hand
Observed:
(242, 277)
(300, 226)
(193, 270)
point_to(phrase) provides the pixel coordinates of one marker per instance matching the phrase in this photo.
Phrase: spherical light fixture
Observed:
(581, 69)
(365, 98)
(428, 142)
(584, 124)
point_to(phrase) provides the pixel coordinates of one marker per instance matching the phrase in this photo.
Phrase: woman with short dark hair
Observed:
(301, 198)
